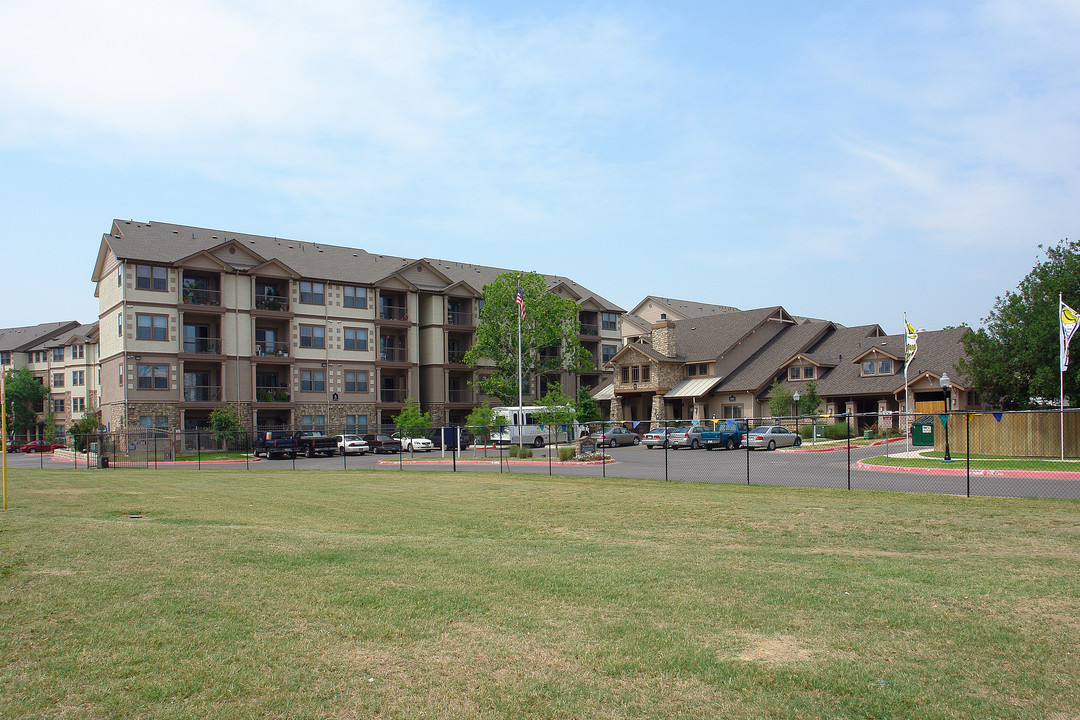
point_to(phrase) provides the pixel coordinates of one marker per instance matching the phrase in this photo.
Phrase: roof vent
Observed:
(663, 316)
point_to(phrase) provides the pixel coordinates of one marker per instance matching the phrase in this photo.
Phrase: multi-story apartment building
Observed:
(294, 333)
(63, 356)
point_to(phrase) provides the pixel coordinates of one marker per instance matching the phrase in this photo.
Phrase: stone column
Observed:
(616, 409)
(657, 410)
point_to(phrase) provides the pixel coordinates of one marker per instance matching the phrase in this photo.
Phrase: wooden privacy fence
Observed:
(1014, 434)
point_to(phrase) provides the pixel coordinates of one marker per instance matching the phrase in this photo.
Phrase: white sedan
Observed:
(351, 444)
(416, 444)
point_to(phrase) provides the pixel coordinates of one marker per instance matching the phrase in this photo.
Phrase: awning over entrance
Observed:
(605, 393)
(698, 387)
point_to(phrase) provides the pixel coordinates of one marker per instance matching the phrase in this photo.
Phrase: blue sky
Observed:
(848, 160)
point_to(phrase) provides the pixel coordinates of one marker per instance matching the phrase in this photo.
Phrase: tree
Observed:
(49, 426)
(549, 335)
(481, 421)
(22, 392)
(410, 421)
(225, 423)
(84, 428)
(809, 400)
(1013, 359)
(781, 399)
(558, 410)
(588, 409)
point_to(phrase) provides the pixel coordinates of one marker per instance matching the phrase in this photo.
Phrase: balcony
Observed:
(269, 348)
(202, 393)
(202, 346)
(392, 395)
(271, 393)
(393, 312)
(456, 356)
(388, 354)
(459, 396)
(458, 318)
(269, 301)
(200, 296)
(590, 329)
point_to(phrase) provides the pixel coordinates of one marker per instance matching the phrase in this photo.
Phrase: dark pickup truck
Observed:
(728, 437)
(274, 444)
(313, 443)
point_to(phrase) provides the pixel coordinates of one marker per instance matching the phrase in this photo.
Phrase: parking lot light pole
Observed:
(795, 397)
(946, 384)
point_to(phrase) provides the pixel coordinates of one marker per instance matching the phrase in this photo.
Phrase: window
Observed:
(313, 380)
(355, 297)
(58, 355)
(635, 373)
(78, 377)
(808, 373)
(77, 352)
(120, 324)
(311, 293)
(884, 367)
(151, 327)
(150, 277)
(312, 336)
(316, 423)
(645, 373)
(5, 358)
(356, 424)
(607, 321)
(78, 404)
(58, 380)
(697, 369)
(625, 374)
(607, 352)
(58, 406)
(868, 367)
(153, 377)
(356, 381)
(732, 412)
(154, 421)
(355, 339)
(794, 373)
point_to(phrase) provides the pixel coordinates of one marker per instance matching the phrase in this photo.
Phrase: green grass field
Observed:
(437, 595)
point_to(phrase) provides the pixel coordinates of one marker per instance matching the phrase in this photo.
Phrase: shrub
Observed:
(566, 453)
(520, 452)
(839, 431)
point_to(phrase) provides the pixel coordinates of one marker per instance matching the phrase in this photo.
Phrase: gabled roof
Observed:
(685, 308)
(167, 244)
(645, 349)
(18, 339)
(760, 369)
(709, 337)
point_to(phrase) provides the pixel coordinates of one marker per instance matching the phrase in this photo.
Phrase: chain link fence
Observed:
(1018, 454)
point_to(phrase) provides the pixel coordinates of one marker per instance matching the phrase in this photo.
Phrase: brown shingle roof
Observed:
(760, 369)
(707, 338)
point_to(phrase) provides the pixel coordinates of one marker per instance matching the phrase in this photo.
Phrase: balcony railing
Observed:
(271, 393)
(392, 395)
(200, 296)
(267, 348)
(271, 301)
(203, 346)
(394, 355)
(459, 396)
(458, 318)
(393, 312)
(456, 356)
(591, 329)
(202, 393)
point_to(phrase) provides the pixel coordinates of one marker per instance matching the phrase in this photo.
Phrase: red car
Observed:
(40, 446)
(13, 446)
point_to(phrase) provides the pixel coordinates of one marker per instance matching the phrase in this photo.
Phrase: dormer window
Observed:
(877, 367)
(801, 373)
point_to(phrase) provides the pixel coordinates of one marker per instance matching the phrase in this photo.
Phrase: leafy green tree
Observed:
(481, 422)
(1013, 359)
(225, 424)
(558, 410)
(781, 399)
(588, 409)
(49, 426)
(23, 392)
(550, 322)
(81, 429)
(410, 421)
(809, 400)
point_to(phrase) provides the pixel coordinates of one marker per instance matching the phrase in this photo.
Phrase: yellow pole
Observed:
(3, 431)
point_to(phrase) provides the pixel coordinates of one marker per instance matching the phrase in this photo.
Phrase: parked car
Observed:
(449, 437)
(771, 437)
(728, 437)
(274, 444)
(382, 444)
(615, 436)
(36, 446)
(13, 446)
(660, 437)
(351, 444)
(688, 436)
(312, 443)
(416, 444)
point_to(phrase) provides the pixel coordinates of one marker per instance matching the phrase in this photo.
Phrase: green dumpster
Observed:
(922, 433)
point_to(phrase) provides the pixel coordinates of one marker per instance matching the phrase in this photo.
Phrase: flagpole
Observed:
(3, 430)
(1061, 370)
(521, 306)
(907, 399)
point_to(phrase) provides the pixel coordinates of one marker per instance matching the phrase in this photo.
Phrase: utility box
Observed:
(922, 433)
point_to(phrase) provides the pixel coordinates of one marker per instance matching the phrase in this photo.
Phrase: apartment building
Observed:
(63, 356)
(294, 333)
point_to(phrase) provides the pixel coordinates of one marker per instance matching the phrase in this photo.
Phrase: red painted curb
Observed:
(495, 462)
(980, 472)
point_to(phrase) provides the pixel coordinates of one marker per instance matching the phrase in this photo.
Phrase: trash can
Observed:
(103, 462)
(922, 433)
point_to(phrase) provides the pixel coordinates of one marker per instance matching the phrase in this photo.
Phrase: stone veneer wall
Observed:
(335, 420)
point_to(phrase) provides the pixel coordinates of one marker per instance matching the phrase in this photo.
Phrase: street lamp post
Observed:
(946, 384)
(795, 397)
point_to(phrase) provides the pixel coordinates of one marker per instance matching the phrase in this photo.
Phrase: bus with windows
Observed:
(521, 426)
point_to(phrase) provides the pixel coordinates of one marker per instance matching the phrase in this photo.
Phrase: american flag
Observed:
(520, 300)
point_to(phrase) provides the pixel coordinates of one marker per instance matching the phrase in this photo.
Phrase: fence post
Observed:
(847, 418)
(198, 449)
(967, 442)
(549, 449)
(667, 478)
(748, 453)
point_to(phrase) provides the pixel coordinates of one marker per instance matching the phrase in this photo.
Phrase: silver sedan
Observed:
(771, 437)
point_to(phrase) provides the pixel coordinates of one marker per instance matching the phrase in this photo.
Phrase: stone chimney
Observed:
(663, 336)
